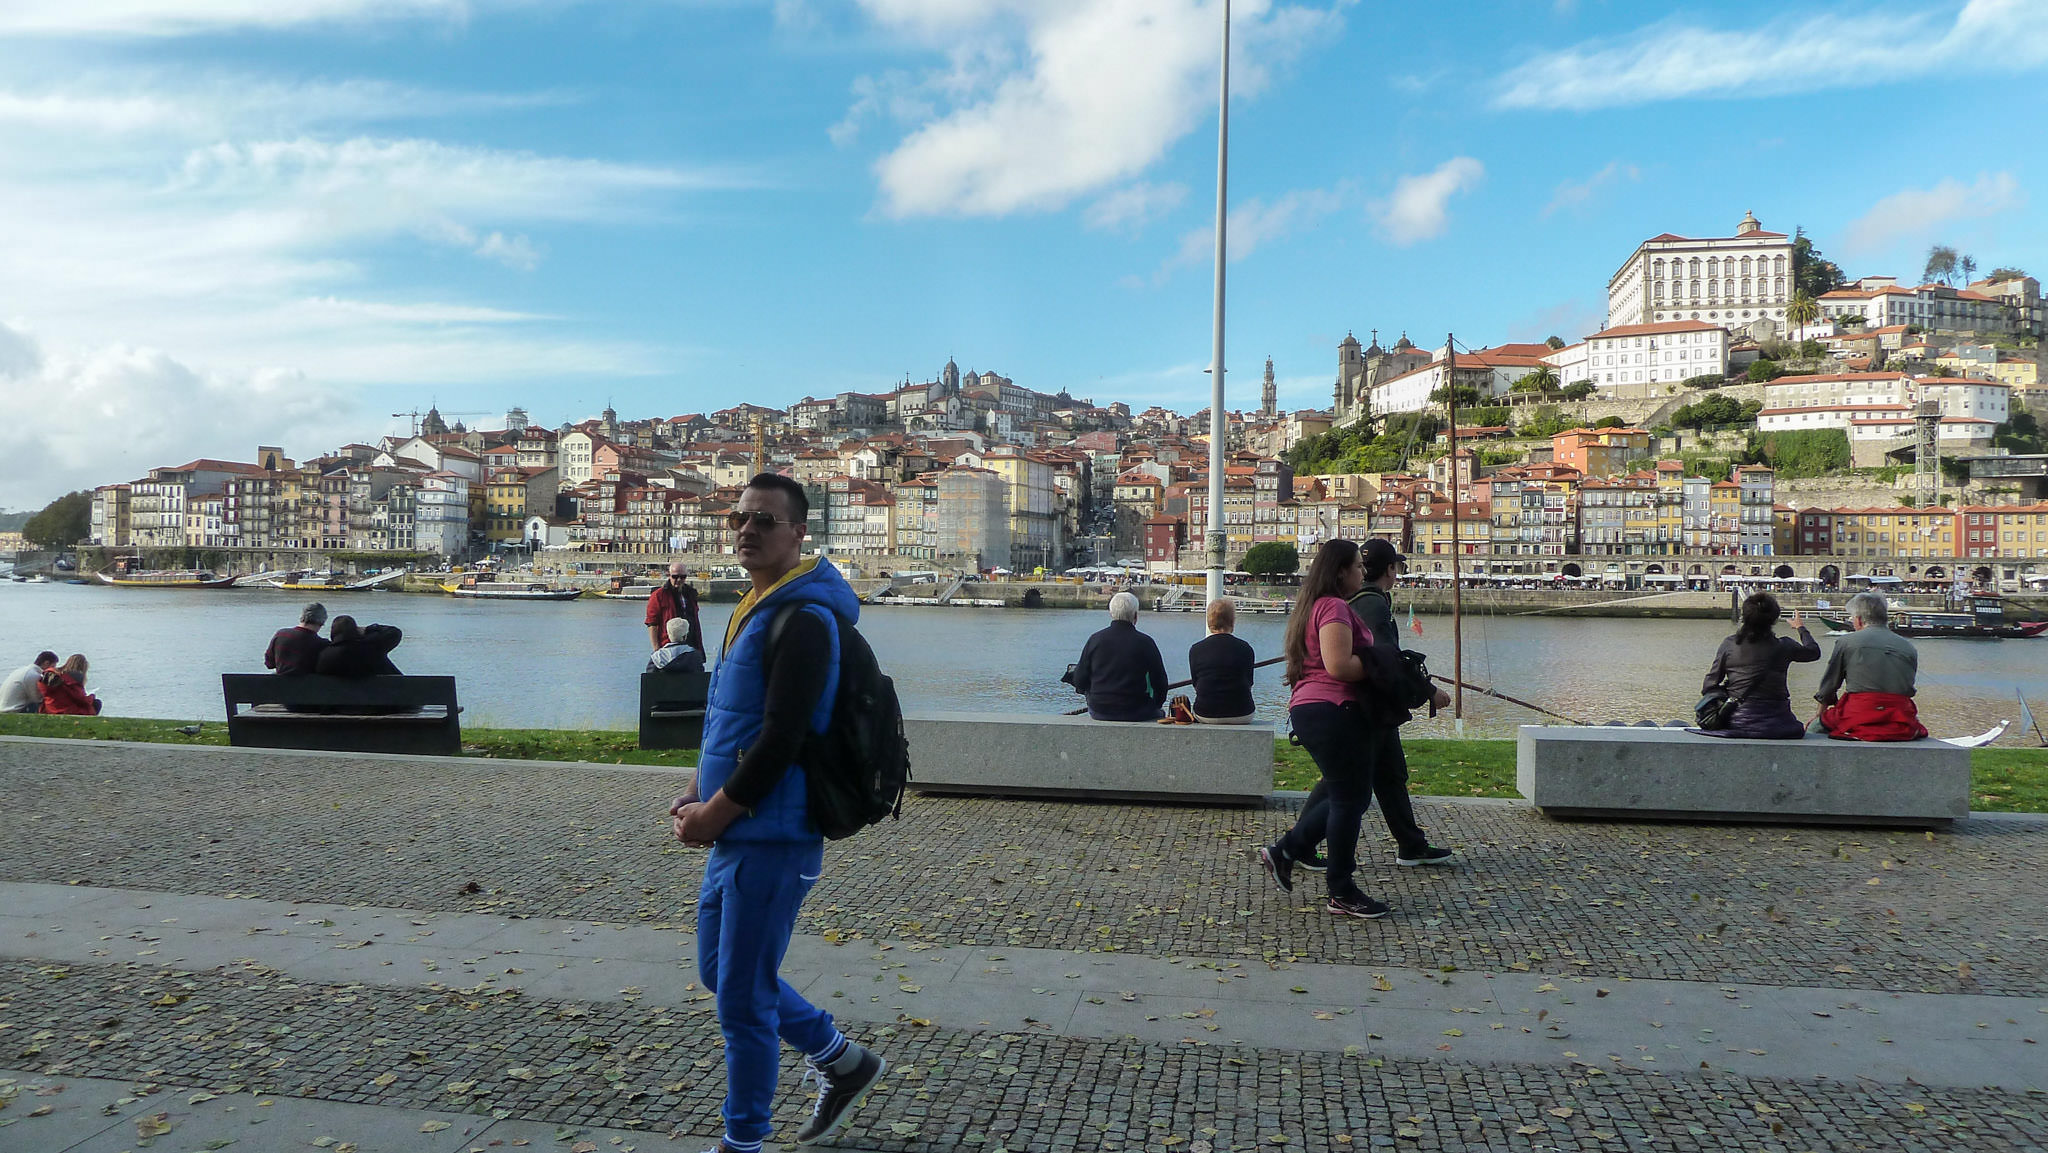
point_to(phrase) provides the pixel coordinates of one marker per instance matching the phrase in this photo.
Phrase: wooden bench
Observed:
(1043, 755)
(672, 709)
(1614, 772)
(343, 714)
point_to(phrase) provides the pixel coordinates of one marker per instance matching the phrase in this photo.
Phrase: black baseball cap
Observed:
(1380, 553)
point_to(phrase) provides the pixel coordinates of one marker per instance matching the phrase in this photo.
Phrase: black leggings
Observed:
(1336, 736)
(1389, 788)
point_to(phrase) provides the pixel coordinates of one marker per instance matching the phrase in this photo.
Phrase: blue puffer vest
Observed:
(738, 696)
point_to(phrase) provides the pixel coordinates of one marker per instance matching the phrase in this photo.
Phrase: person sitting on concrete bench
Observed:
(1867, 689)
(678, 655)
(1751, 665)
(353, 651)
(1222, 667)
(1120, 670)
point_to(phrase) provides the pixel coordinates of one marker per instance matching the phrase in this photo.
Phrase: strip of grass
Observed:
(602, 746)
(2001, 780)
(1436, 768)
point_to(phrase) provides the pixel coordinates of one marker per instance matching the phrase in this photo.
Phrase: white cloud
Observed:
(1051, 100)
(1417, 209)
(1857, 46)
(72, 419)
(1134, 206)
(1573, 193)
(1916, 215)
(1254, 223)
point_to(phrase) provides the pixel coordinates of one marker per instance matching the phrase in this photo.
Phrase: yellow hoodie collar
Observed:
(754, 597)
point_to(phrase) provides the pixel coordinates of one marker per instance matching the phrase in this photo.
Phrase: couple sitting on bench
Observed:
(1866, 691)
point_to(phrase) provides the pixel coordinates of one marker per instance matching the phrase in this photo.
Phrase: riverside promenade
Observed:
(287, 951)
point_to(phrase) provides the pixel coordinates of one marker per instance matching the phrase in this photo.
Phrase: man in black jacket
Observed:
(1120, 670)
(1374, 605)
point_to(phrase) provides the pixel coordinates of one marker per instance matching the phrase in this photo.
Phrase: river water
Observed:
(159, 653)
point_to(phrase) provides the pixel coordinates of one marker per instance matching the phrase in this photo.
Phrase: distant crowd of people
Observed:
(348, 649)
(48, 686)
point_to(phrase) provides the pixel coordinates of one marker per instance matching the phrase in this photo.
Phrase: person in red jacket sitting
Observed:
(64, 690)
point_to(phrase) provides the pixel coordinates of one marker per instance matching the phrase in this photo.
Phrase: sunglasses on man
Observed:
(763, 521)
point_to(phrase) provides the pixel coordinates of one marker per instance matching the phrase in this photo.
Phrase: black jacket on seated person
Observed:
(1121, 674)
(367, 655)
(1221, 666)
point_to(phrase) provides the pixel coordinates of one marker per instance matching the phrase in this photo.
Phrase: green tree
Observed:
(1705, 380)
(1813, 274)
(1762, 370)
(1803, 453)
(2006, 272)
(1544, 420)
(61, 523)
(1941, 265)
(1803, 309)
(1812, 350)
(1610, 422)
(1466, 394)
(1539, 381)
(1555, 342)
(1578, 390)
(1272, 558)
(1967, 266)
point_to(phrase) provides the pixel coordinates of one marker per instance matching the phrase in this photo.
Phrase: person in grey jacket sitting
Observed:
(1751, 665)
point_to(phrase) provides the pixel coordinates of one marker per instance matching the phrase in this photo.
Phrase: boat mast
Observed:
(1457, 588)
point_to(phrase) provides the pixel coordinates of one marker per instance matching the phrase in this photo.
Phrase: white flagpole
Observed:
(1218, 427)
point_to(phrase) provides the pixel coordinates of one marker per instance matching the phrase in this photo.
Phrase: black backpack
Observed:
(857, 769)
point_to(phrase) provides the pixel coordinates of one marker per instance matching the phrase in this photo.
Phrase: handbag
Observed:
(1715, 710)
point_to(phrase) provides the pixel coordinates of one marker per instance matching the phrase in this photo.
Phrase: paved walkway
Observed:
(182, 944)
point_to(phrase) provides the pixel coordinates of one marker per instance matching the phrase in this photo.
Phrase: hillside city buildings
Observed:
(973, 471)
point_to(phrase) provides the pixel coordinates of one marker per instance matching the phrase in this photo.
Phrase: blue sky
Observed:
(225, 222)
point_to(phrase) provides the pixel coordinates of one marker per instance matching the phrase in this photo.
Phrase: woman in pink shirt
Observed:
(1326, 647)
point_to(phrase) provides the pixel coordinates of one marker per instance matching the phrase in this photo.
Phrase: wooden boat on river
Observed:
(127, 572)
(1985, 619)
(504, 590)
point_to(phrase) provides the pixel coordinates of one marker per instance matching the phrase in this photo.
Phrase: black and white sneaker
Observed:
(1429, 855)
(1315, 862)
(1361, 906)
(841, 1085)
(1279, 866)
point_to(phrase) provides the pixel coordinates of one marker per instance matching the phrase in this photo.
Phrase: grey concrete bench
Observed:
(1670, 773)
(1036, 755)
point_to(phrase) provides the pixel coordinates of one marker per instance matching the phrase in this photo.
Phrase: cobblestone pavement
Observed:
(248, 1029)
(1899, 911)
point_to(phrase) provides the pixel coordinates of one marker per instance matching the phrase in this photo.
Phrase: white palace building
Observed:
(1732, 281)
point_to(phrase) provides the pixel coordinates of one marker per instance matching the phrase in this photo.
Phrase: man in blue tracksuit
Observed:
(747, 805)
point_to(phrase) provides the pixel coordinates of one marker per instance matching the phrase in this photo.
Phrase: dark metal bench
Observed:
(355, 715)
(672, 709)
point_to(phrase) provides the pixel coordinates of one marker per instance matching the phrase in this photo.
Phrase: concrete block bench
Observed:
(1592, 771)
(1034, 755)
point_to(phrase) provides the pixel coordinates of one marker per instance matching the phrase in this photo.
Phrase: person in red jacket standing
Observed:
(64, 690)
(674, 599)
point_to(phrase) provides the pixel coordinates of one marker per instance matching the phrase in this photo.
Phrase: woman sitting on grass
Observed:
(64, 690)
